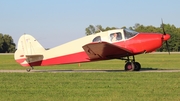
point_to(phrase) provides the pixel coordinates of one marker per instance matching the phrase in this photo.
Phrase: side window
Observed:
(97, 39)
(116, 36)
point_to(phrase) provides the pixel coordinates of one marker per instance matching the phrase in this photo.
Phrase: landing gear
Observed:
(29, 69)
(131, 65)
(137, 66)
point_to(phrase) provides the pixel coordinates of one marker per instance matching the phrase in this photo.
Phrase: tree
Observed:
(99, 28)
(136, 26)
(6, 44)
(1, 42)
(90, 30)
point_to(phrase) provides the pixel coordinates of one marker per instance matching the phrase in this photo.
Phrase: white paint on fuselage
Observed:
(76, 45)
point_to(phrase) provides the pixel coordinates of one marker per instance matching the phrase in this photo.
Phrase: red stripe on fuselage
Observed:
(66, 59)
(20, 60)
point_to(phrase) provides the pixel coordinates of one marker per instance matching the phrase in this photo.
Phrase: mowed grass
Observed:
(125, 86)
(107, 86)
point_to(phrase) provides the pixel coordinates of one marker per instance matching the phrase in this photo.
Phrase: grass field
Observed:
(108, 86)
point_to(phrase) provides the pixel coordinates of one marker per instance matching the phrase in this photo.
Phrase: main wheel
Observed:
(129, 66)
(137, 66)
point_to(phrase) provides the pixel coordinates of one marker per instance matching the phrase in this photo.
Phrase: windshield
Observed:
(129, 33)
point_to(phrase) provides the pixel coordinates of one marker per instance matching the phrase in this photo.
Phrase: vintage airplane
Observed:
(113, 44)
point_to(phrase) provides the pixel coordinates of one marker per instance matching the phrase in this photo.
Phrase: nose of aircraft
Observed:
(166, 37)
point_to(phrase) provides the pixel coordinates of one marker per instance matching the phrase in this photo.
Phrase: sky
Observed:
(55, 22)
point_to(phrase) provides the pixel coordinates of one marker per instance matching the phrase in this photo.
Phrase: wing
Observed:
(104, 50)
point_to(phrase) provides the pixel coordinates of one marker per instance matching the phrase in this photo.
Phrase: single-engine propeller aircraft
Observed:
(113, 44)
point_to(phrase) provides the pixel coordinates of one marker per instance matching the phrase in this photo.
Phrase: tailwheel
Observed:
(129, 66)
(137, 66)
(29, 69)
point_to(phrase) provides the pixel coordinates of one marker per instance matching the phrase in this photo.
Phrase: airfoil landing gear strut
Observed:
(131, 65)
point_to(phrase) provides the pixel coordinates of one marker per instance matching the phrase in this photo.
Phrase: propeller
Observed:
(164, 33)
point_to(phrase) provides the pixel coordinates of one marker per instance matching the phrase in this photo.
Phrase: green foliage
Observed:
(6, 44)
(95, 29)
(90, 30)
(1, 42)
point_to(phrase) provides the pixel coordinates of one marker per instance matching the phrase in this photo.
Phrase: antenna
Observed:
(96, 28)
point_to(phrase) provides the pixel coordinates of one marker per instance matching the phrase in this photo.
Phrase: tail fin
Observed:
(28, 50)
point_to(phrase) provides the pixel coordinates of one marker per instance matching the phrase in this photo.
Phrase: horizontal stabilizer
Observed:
(35, 55)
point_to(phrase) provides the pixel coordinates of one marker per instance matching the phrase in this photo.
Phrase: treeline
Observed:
(7, 44)
(174, 42)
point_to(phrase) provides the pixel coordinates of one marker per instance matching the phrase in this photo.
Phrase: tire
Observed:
(28, 69)
(129, 66)
(137, 66)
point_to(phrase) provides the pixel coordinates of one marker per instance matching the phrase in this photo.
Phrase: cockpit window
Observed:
(116, 36)
(129, 33)
(97, 39)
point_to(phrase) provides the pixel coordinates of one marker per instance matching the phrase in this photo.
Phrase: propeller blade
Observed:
(164, 33)
(163, 27)
(167, 46)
